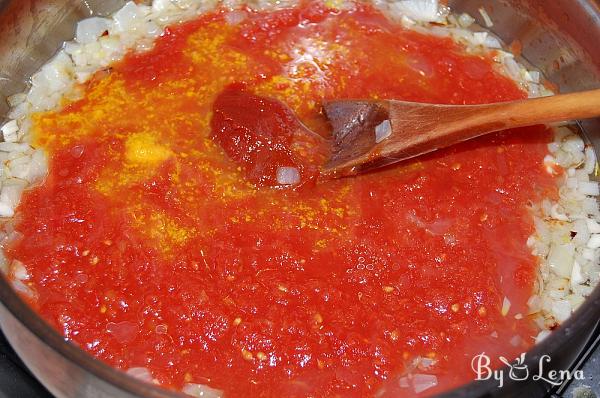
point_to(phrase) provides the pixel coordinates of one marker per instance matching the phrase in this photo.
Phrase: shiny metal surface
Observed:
(560, 37)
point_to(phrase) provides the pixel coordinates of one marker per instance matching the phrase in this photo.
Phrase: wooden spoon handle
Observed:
(430, 127)
(370, 134)
(550, 109)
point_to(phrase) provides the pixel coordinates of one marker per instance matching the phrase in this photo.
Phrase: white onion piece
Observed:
(3, 263)
(588, 254)
(572, 183)
(561, 309)
(38, 168)
(10, 195)
(9, 131)
(554, 147)
(420, 10)
(19, 271)
(16, 99)
(161, 5)
(535, 304)
(383, 131)
(533, 76)
(201, 391)
(492, 42)
(582, 232)
(127, 17)
(516, 340)
(505, 306)
(593, 225)
(24, 289)
(479, 38)
(124, 331)
(13, 147)
(425, 363)
(577, 277)
(140, 373)
(555, 214)
(590, 160)
(573, 144)
(89, 30)
(560, 259)
(465, 20)
(594, 242)
(422, 382)
(486, 17)
(513, 68)
(235, 17)
(288, 175)
(589, 188)
(542, 335)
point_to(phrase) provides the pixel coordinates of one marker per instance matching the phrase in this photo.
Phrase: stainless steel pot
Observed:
(561, 37)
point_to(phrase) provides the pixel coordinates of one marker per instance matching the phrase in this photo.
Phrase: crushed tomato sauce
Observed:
(148, 247)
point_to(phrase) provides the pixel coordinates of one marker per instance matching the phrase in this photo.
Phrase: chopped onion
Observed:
(533, 76)
(124, 331)
(425, 363)
(573, 144)
(140, 373)
(161, 5)
(383, 131)
(561, 309)
(576, 275)
(38, 167)
(588, 254)
(542, 335)
(422, 382)
(590, 160)
(13, 147)
(3, 263)
(479, 38)
(127, 17)
(465, 20)
(19, 271)
(555, 214)
(560, 259)
(10, 195)
(572, 183)
(16, 99)
(420, 10)
(492, 42)
(594, 242)
(23, 289)
(89, 30)
(516, 340)
(9, 131)
(288, 175)
(235, 17)
(505, 306)
(589, 188)
(486, 17)
(201, 391)
(534, 303)
(582, 233)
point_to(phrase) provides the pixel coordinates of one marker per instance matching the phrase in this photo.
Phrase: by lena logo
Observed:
(518, 370)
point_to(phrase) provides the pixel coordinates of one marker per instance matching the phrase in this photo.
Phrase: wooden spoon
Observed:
(369, 134)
